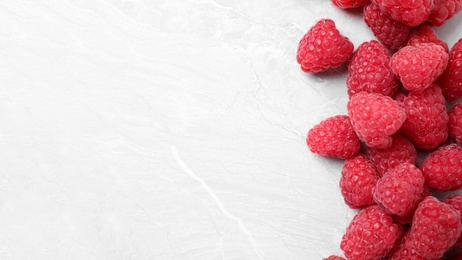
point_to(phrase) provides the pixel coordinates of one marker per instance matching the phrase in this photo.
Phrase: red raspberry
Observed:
(349, 3)
(323, 48)
(400, 151)
(375, 118)
(419, 66)
(442, 168)
(370, 235)
(400, 189)
(427, 120)
(359, 177)
(443, 11)
(451, 80)
(435, 228)
(404, 251)
(406, 219)
(456, 202)
(455, 123)
(410, 12)
(334, 137)
(391, 33)
(334, 257)
(424, 34)
(369, 70)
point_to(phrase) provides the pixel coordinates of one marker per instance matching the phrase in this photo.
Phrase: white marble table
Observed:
(155, 129)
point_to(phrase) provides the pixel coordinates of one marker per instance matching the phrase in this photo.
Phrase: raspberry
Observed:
(359, 177)
(369, 70)
(334, 137)
(406, 219)
(456, 202)
(417, 67)
(410, 12)
(451, 80)
(424, 34)
(435, 228)
(400, 189)
(455, 123)
(375, 118)
(334, 257)
(370, 235)
(442, 168)
(444, 10)
(391, 33)
(400, 151)
(404, 251)
(427, 120)
(323, 48)
(349, 3)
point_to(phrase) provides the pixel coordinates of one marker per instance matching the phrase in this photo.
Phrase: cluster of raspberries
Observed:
(398, 88)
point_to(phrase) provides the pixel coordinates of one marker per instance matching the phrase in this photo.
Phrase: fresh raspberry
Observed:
(369, 70)
(334, 137)
(404, 251)
(417, 67)
(427, 120)
(323, 48)
(359, 177)
(400, 151)
(456, 202)
(443, 11)
(375, 118)
(391, 33)
(349, 3)
(435, 228)
(410, 12)
(400, 189)
(442, 168)
(451, 80)
(455, 123)
(334, 257)
(370, 235)
(424, 33)
(406, 219)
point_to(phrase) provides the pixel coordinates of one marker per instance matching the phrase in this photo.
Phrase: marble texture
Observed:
(155, 129)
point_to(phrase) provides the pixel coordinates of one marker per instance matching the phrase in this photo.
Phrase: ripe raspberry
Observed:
(435, 228)
(451, 80)
(349, 3)
(404, 251)
(391, 33)
(406, 219)
(419, 66)
(375, 118)
(370, 235)
(400, 151)
(427, 120)
(424, 34)
(369, 70)
(323, 48)
(443, 11)
(359, 177)
(410, 12)
(455, 123)
(334, 257)
(442, 168)
(400, 189)
(456, 202)
(334, 137)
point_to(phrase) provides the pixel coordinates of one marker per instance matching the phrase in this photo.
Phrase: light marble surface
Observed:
(155, 129)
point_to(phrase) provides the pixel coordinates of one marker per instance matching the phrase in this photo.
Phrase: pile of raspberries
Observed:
(403, 90)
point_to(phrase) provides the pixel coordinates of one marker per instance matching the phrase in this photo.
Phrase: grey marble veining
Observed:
(149, 129)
